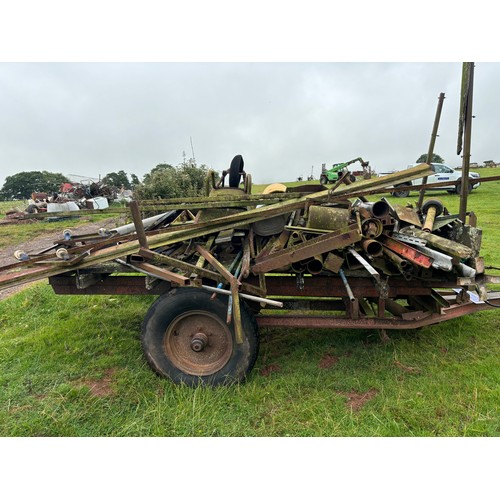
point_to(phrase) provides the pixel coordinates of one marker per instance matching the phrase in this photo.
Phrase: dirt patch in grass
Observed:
(356, 400)
(102, 387)
(327, 361)
(267, 370)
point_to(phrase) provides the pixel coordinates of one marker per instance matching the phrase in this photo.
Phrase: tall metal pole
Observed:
(464, 191)
(431, 145)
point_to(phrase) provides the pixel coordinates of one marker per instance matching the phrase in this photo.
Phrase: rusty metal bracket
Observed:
(308, 249)
(234, 286)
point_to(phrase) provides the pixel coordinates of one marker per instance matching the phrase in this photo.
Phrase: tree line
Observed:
(163, 181)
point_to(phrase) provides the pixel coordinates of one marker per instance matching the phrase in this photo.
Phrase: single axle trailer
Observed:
(228, 263)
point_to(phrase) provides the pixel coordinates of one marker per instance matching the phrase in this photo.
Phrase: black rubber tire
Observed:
(323, 180)
(235, 171)
(352, 177)
(459, 188)
(180, 304)
(401, 194)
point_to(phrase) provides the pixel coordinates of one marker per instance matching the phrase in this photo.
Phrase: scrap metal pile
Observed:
(232, 237)
(71, 197)
(222, 263)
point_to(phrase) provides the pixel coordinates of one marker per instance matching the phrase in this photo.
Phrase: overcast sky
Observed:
(285, 118)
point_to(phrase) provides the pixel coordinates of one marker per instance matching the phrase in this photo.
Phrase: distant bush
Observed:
(166, 181)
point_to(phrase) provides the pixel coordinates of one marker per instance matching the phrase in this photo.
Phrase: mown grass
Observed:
(73, 366)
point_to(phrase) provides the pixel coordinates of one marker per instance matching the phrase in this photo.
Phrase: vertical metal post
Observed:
(430, 152)
(464, 192)
(139, 226)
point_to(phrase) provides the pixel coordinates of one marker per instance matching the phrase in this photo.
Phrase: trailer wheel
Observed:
(235, 171)
(185, 338)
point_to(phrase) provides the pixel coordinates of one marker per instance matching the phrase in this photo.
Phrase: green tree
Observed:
(166, 181)
(117, 179)
(21, 185)
(135, 180)
(435, 158)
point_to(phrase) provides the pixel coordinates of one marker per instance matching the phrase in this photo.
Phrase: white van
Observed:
(442, 173)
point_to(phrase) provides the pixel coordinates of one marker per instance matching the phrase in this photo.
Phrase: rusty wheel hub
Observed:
(198, 343)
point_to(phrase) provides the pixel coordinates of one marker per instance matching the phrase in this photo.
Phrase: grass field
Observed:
(73, 366)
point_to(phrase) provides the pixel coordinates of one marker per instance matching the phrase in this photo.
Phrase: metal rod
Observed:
(347, 287)
(431, 145)
(253, 298)
(365, 264)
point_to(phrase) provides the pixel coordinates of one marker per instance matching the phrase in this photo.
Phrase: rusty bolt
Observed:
(199, 342)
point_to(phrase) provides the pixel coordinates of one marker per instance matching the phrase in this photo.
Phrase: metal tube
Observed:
(378, 208)
(253, 298)
(347, 287)
(315, 265)
(372, 247)
(130, 228)
(441, 260)
(466, 271)
(429, 220)
(365, 264)
(396, 259)
(430, 152)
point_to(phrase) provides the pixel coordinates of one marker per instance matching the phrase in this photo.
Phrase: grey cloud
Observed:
(284, 118)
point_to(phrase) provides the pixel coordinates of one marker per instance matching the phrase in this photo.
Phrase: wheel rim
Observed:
(198, 343)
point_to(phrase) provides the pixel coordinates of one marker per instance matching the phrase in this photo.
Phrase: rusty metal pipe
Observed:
(330, 218)
(372, 228)
(372, 247)
(315, 265)
(378, 209)
(396, 259)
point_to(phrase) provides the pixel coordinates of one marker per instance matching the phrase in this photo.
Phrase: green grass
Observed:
(73, 366)
(13, 234)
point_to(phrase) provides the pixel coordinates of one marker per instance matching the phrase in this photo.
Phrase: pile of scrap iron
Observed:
(71, 197)
(251, 246)
(229, 262)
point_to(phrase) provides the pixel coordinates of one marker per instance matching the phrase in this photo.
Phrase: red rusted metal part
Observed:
(408, 252)
(309, 321)
(198, 343)
(308, 249)
(332, 286)
(234, 285)
(109, 285)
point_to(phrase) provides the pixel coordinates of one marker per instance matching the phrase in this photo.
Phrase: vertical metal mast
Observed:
(465, 124)
(431, 145)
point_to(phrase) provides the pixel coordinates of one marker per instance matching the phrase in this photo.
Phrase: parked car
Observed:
(442, 173)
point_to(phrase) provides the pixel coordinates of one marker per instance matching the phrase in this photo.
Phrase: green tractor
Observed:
(338, 170)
